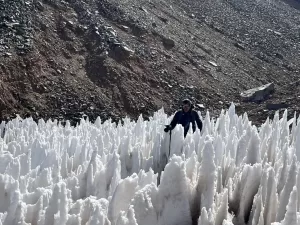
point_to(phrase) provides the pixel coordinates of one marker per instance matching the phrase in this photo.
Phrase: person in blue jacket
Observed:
(185, 116)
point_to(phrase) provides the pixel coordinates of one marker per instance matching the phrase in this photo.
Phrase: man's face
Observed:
(186, 107)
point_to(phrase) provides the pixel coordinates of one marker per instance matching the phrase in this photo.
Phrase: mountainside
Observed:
(66, 59)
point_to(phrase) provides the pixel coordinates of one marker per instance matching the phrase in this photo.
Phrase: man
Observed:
(184, 117)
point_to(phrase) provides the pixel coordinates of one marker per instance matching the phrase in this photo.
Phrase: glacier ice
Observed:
(103, 173)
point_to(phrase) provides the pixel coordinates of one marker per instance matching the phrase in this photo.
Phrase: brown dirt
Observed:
(72, 60)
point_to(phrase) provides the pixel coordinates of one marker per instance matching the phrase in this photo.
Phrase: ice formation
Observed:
(122, 174)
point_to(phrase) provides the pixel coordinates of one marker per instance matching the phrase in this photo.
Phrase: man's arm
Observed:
(198, 121)
(175, 120)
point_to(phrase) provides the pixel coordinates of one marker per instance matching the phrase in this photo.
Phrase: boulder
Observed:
(121, 51)
(168, 42)
(258, 94)
(40, 6)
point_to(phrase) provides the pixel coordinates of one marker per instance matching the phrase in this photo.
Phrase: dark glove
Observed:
(168, 127)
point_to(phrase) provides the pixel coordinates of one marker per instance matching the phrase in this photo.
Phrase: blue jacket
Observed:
(185, 118)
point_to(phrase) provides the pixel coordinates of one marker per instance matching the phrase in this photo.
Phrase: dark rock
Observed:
(168, 42)
(139, 30)
(258, 94)
(20, 31)
(279, 56)
(143, 9)
(165, 20)
(179, 69)
(276, 106)
(43, 26)
(80, 29)
(40, 6)
(70, 23)
(239, 45)
(66, 54)
(121, 51)
(289, 66)
(168, 56)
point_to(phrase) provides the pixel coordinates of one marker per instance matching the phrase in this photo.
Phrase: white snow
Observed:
(112, 174)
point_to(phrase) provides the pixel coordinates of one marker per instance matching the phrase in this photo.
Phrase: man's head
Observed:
(186, 105)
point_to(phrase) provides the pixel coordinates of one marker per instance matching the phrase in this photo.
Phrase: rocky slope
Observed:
(116, 58)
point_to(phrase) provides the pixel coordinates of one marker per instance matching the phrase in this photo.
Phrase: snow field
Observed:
(113, 174)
